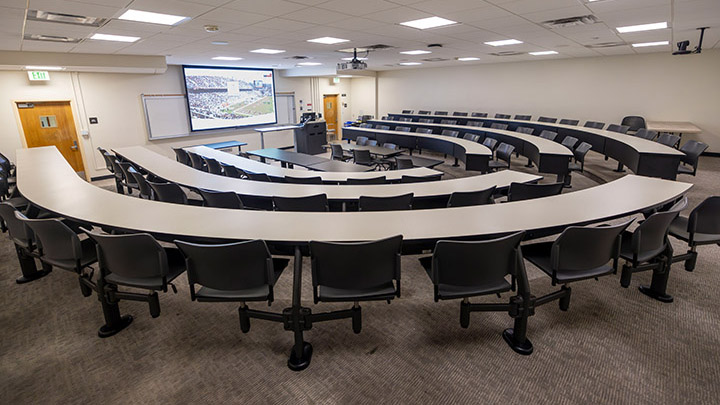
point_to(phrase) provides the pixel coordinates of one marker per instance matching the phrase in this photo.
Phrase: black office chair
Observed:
(666, 139)
(142, 183)
(634, 122)
(449, 132)
(354, 272)
(213, 166)
(579, 153)
(566, 121)
(474, 123)
(372, 142)
(404, 162)
(523, 117)
(137, 261)
(470, 198)
(547, 119)
(420, 179)
(648, 248)
(503, 156)
(550, 135)
(337, 153)
(169, 193)
(304, 180)
(503, 116)
(363, 157)
(197, 162)
(497, 125)
(257, 176)
(448, 122)
(472, 137)
(490, 143)
(395, 203)
(367, 181)
(479, 114)
(459, 114)
(234, 272)
(365, 125)
(107, 157)
(701, 227)
(460, 270)
(128, 180)
(407, 111)
(426, 120)
(383, 127)
(692, 150)
(623, 129)
(119, 177)
(525, 130)
(403, 129)
(231, 171)
(569, 142)
(404, 119)
(441, 113)
(424, 112)
(423, 130)
(579, 253)
(388, 145)
(221, 199)
(182, 156)
(313, 203)
(361, 140)
(594, 124)
(25, 248)
(646, 134)
(527, 191)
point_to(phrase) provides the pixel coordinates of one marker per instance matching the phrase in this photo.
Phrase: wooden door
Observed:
(330, 110)
(51, 123)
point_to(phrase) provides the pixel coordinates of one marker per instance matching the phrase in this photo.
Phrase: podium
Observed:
(310, 137)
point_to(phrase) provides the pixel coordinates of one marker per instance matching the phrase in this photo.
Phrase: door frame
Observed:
(294, 108)
(338, 112)
(21, 130)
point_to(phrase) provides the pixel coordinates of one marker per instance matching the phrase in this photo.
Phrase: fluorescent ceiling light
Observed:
(543, 53)
(345, 76)
(328, 40)
(468, 59)
(117, 38)
(309, 64)
(268, 51)
(504, 42)
(219, 42)
(155, 18)
(44, 68)
(430, 22)
(410, 63)
(352, 58)
(644, 44)
(415, 52)
(642, 27)
(227, 58)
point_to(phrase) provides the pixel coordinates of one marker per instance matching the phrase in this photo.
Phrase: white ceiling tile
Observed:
(68, 30)
(532, 6)
(316, 15)
(398, 15)
(11, 20)
(43, 46)
(74, 7)
(173, 7)
(357, 8)
(282, 24)
(267, 7)
(136, 26)
(447, 6)
(226, 15)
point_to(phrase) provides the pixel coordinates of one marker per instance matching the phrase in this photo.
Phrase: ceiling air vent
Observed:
(507, 53)
(571, 21)
(47, 16)
(368, 48)
(605, 45)
(298, 57)
(52, 38)
(435, 60)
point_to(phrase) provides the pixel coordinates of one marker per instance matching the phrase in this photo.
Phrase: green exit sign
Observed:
(38, 75)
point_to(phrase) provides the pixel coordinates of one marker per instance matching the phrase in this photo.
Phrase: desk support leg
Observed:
(301, 353)
(29, 268)
(114, 322)
(620, 168)
(456, 164)
(658, 284)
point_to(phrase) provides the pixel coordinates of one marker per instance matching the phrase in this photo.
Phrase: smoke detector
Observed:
(211, 28)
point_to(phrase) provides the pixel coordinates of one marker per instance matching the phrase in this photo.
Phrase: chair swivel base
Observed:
(106, 330)
(662, 297)
(525, 348)
(296, 363)
(33, 276)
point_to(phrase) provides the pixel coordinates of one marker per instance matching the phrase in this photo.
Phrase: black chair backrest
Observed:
(448, 122)
(472, 137)
(388, 145)
(404, 162)
(490, 143)
(383, 127)
(125, 167)
(117, 170)
(634, 122)
(468, 198)
(258, 176)
(372, 142)
(336, 152)
(479, 114)
(594, 124)
(169, 193)
(459, 114)
(108, 158)
(566, 121)
(581, 151)
(705, 218)
(407, 111)
(182, 156)
(650, 238)
(313, 203)
(304, 180)
(424, 112)
(474, 123)
(371, 180)
(668, 139)
(361, 140)
(523, 117)
(497, 125)
(547, 119)
(569, 142)
(403, 129)
(136, 255)
(646, 134)
(586, 247)
(525, 130)
(548, 134)
(404, 119)
(231, 171)
(526, 191)
(502, 116)
(362, 157)
(143, 186)
(449, 132)
(19, 233)
(441, 113)
(426, 120)
(623, 129)
(228, 267)
(420, 179)
(221, 199)
(57, 242)
(197, 161)
(476, 263)
(213, 166)
(357, 266)
(395, 203)
(504, 152)
(692, 149)
(365, 125)
(423, 130)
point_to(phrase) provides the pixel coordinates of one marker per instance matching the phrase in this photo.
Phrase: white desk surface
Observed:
(639, 144)
(277, 171)
(471, 148)
(46, 179)
(174, 171)
(673, 126)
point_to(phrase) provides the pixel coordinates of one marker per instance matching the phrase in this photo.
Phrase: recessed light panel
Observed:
(504, 42)
(309, 64)
(328, 40)
(44, 68)
(226, 58)
(154, 18)
(642, 27)
(267, 51)
(543, 53)
(410, 63)
(430, 22)
(468, 59)
(116, 38)
(415, 52)
(353, 58)
(644, 44)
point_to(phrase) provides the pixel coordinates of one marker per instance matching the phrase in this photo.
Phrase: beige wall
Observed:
(364, 96)
(657, 86)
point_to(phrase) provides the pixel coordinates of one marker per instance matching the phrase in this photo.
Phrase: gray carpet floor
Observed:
(614, 345)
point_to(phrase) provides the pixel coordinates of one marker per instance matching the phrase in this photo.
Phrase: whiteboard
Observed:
(166, 115)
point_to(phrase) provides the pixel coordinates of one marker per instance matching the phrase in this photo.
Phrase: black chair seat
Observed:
(89, 256)
(627, 253)
(449, 291)
(539, 255)
(678, 229)
(176, 266)
(17, 202)
(206, 294)
(683, 169)
(382, 292)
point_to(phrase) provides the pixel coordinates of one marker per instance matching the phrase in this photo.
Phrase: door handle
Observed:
(74, 146)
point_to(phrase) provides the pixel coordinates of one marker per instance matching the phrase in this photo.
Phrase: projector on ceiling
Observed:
(352, 65)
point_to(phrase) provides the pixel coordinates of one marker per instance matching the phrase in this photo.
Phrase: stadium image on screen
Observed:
(229, 97)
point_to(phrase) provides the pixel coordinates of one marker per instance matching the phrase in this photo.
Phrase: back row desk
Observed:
(327, 177)
(177, 172)
(48, 181)
(642, 156)
(316, 163)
